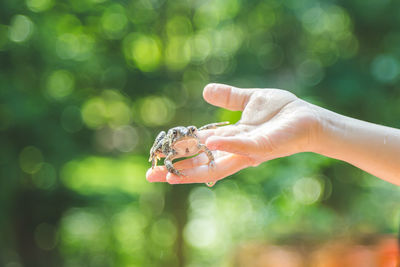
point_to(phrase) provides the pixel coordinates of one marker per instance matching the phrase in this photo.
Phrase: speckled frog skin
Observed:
(180, 142)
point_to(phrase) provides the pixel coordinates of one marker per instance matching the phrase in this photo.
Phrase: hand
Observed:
(274, 123)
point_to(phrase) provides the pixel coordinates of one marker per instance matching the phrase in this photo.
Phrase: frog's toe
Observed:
(182, 174)
(211, 164)
(176, 172)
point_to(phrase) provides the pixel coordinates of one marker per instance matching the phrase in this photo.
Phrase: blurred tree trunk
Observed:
(31, 208)
(177, 202)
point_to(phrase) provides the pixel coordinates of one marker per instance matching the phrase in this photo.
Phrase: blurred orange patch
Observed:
(382, 252)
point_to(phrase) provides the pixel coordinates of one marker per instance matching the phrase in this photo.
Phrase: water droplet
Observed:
(210, 184)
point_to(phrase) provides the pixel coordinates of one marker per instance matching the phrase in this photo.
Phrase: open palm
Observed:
(274, 123)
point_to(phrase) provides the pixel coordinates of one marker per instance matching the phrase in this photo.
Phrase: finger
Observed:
(204, 134)
(192, 162)
(226, 96)
(158, 174)
(223, 167)
(234, 144)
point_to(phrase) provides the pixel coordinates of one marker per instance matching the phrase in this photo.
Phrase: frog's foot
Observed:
(211, 164)
(172, 169)
(213, 125)
(168, 164)
(178, 173)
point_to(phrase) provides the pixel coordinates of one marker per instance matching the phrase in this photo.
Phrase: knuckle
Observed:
(259, 98)
(258, 93)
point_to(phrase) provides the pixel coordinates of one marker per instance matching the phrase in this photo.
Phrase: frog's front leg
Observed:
(168, 163)
(153, 162)
(156, 149)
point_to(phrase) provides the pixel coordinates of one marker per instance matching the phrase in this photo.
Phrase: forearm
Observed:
(370, 147)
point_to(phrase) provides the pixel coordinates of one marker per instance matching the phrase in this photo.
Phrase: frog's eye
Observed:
(174, 132)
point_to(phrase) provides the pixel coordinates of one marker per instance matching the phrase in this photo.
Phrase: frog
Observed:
(180, 142)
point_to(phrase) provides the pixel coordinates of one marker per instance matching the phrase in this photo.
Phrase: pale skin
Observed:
(275, 123)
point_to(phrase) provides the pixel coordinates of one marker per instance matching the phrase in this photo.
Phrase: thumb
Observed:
(233, 144)
(226, 96)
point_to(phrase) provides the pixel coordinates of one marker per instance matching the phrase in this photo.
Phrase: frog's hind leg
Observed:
(203, 148)
(211, 162)
(213, 125)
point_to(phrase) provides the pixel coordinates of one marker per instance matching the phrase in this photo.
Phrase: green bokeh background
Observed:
(86, 85)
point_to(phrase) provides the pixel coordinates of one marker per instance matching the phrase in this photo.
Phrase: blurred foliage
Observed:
(85, 86)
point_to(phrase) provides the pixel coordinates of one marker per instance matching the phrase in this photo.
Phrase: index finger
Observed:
(224, 166)
(159, 173)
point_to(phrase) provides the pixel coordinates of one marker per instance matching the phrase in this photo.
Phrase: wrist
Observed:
(327, 129)
(370, 147)
(337, 136)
